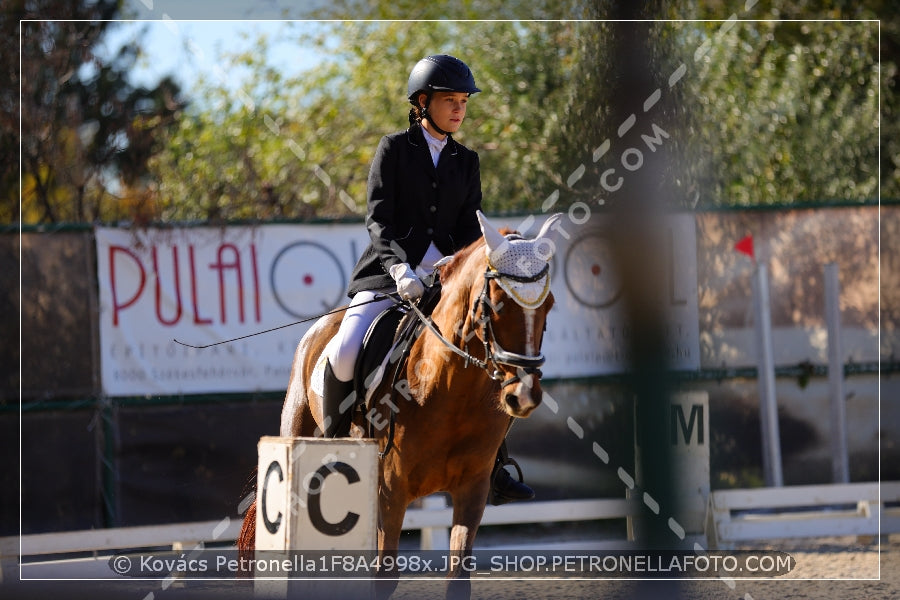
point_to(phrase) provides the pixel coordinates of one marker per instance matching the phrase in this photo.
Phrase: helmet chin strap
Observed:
(431, 122)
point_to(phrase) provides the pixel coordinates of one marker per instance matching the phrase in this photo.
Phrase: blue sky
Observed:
(184, 38)
(187, 48)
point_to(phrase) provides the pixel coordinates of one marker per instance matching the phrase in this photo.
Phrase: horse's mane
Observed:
(459, 259)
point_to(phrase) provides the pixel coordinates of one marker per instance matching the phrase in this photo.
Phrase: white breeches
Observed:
(354, 326)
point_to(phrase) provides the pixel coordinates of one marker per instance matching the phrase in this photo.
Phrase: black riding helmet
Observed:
(439, 73)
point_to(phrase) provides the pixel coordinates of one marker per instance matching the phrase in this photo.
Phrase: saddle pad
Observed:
(317, 379)
(378, 345)
(372, 361)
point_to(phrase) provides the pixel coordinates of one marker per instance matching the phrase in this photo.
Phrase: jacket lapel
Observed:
(447, 164)
(420, 149)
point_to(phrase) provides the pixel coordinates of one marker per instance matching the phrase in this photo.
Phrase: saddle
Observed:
(393, 331)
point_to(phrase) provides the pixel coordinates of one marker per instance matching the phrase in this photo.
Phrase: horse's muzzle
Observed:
(522, 397)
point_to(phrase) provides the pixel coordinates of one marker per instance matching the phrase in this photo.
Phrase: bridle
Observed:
(494, 354)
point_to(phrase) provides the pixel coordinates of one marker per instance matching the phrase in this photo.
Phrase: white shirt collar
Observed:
(434, 145)
(433, 140)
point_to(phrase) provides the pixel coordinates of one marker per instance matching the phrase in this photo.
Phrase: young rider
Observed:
(424, 189)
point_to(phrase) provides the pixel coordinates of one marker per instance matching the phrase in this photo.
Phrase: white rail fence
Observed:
(799, 511)
(434, 519)
(733, 516)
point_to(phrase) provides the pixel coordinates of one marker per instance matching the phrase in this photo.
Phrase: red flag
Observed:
(746, 246)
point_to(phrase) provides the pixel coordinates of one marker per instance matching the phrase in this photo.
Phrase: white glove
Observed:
(409, 286)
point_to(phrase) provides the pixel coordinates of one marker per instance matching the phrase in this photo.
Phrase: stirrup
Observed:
(503, 487)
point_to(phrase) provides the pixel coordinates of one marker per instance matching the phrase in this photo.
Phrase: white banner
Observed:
(205, 285)
(587, 333)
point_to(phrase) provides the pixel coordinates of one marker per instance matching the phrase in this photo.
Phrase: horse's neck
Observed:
(452, 318)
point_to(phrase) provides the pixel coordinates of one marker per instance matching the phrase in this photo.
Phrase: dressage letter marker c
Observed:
(316, 494)
(315, 500)
(271, 526)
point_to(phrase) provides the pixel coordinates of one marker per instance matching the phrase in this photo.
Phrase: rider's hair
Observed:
(416, 115)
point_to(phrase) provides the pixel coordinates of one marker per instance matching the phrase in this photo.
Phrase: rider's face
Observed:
(447, 110)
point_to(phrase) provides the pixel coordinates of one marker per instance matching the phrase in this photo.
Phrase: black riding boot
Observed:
(335, 391)
(503, 487)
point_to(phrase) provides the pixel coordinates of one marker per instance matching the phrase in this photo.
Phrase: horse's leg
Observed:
(392, 502)
(468, 508)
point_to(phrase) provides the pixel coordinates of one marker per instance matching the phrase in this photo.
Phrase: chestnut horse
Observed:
(466, 378)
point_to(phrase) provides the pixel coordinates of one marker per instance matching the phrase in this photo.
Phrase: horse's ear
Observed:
(548, 234)
(493, 239)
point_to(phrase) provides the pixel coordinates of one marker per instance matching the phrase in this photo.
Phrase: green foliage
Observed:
(769, 112)
(301, 146)
(765, 112)
(782, 112)
(86, 130)
(835, 89)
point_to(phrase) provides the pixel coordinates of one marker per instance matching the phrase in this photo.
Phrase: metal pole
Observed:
(768, 403)
(840, 469)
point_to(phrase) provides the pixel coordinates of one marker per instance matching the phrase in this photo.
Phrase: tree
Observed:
(769, 112)
(790, 114)
(87, 132)
(301, 146)
(772, 113)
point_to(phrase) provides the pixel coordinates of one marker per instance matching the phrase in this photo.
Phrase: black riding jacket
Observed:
(411, 203)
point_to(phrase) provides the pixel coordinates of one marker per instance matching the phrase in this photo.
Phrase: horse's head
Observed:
(509, 311)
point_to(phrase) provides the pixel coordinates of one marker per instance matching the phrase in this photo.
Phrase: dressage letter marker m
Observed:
(316, 494)
(688, 453)
(689, 447)
(685, 426)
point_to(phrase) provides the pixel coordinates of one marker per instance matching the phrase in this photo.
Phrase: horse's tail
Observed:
(246, 541)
